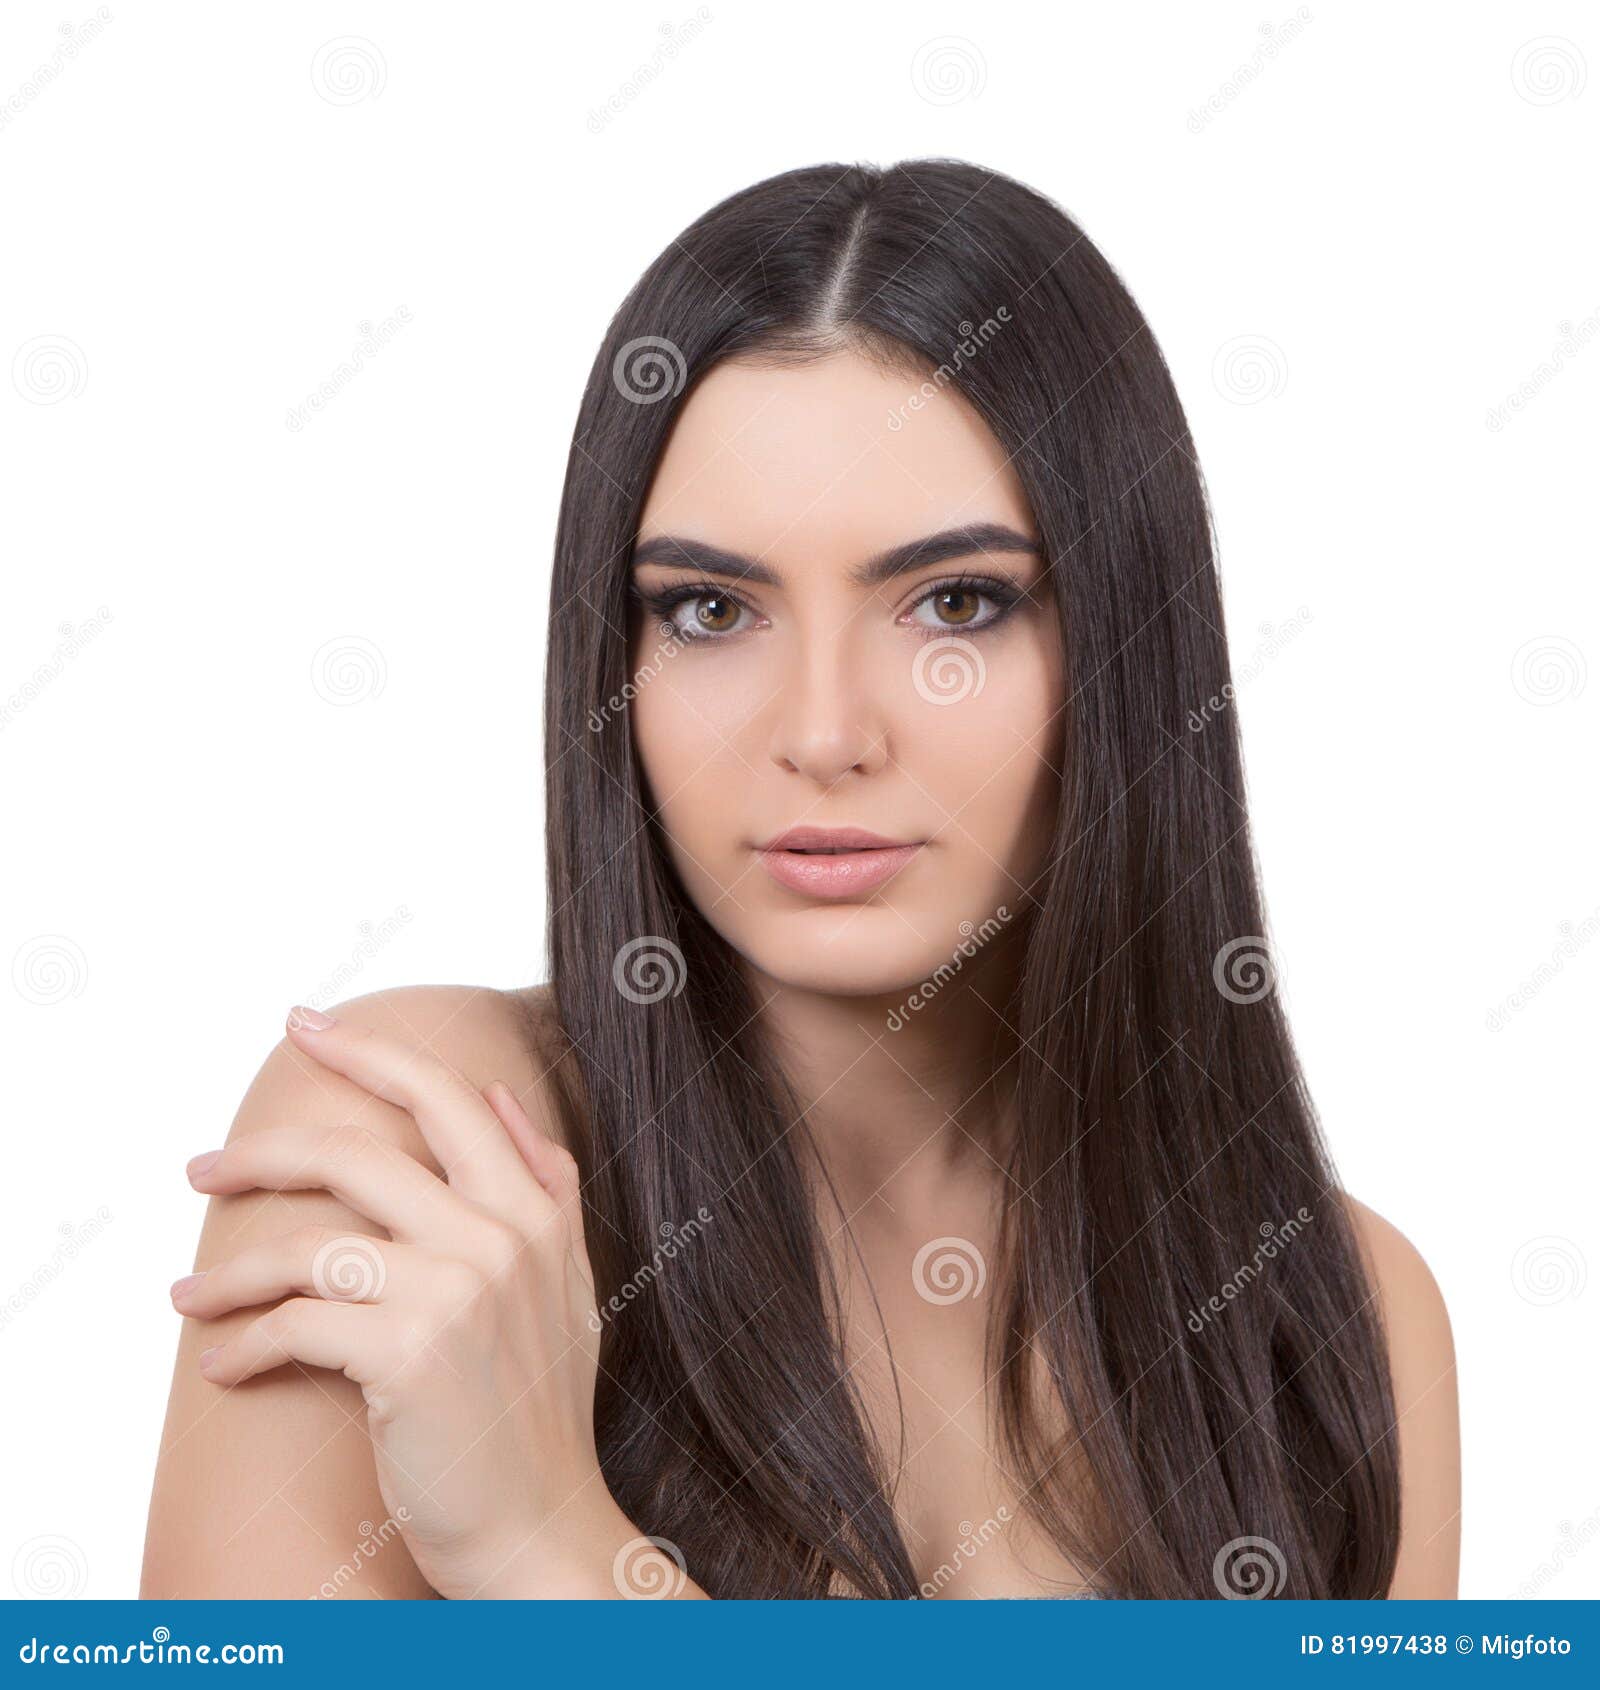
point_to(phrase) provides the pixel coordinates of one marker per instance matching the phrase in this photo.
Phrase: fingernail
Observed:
(199, 1164)
(206, 1355)
(312, 1019)
(187, 1283)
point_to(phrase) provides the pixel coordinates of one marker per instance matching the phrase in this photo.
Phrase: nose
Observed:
(829, 721)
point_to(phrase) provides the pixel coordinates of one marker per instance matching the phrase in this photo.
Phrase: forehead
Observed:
(804, 460)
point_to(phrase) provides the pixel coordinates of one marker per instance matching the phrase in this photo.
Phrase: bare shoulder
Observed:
(482, 1032)
(1414, 1312)
(263, 1490)
(1422, 1363)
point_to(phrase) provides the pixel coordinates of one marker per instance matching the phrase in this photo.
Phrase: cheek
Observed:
(992, 759)
(686, 728)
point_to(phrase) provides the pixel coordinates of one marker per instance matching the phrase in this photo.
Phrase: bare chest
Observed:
(932, 1411)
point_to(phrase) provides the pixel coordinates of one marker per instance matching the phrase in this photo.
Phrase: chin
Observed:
(849, 950)
(829, 974)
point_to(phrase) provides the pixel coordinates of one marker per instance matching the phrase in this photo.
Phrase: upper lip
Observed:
(833, 838)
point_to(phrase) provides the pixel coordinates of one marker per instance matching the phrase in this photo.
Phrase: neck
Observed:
(903, 1109)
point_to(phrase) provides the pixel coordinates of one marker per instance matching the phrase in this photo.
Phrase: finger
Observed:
(313, 1261)
(370, 1174)
(451, 1114)
(348, 1336)
(555, 1168)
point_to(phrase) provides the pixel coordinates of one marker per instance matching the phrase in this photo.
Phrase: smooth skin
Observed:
(467, 1330)
(810, 697)
(352, 1413)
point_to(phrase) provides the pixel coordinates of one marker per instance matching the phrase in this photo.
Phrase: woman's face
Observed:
(818, 682)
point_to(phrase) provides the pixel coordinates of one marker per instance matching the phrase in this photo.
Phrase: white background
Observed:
(1354, 237)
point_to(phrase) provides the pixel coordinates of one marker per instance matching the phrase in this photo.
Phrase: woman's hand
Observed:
(471, 1330)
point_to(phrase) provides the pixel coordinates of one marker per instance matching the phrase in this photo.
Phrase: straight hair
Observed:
(1227, 1437)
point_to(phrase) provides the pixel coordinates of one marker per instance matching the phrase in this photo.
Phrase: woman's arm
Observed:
(269, 1487)
(1422, 1362)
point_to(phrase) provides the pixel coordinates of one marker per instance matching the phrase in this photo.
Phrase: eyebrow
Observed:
(672, 550)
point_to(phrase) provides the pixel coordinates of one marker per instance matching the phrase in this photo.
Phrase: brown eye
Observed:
(711, 619)
(964, 604)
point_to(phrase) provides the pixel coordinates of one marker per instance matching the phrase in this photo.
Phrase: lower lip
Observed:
(842, 875)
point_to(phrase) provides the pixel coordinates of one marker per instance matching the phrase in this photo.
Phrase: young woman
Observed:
(905, 1185)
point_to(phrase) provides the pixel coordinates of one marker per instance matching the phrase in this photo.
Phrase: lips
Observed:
(834, 862)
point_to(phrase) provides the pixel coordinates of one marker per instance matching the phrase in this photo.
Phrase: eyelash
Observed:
(1005, 596)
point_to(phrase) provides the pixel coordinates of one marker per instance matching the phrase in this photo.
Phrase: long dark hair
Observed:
(1166, 1153)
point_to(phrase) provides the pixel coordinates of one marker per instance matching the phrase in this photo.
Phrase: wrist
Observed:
(572, 1555)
